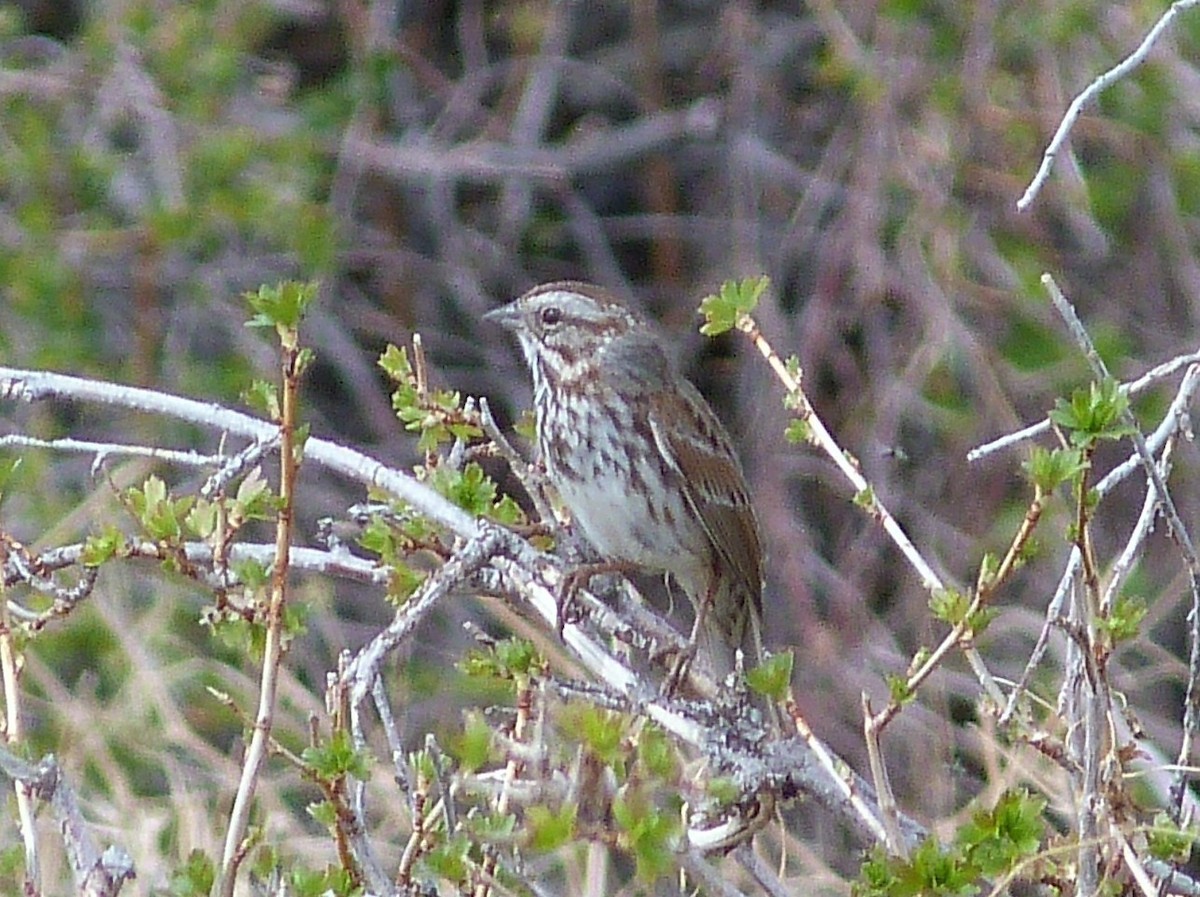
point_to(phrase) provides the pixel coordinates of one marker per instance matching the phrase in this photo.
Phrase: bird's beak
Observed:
(507, 316)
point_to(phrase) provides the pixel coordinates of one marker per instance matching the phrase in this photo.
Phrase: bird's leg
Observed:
(683, 659)
(576, 579)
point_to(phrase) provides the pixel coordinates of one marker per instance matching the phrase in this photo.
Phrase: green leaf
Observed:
(507, 511)
(337, 757)
(101, 547)
(281, 306)
(265, 861)
(263, 397)
(649, 834)
(735, 299)
(899, 691)
(989, 566)
(449, 860)
(1093, 414)
(324, 812)
(949, 605)
(1050, 468)
(505, 660)
(202, 518)
(251, 573)
(305, 358)
(934, 871)
(978, 621)
(797, 431)
(378, 537)
(295, 620)
(878, 876)
(773, 676)
(602, 731)
(865, 499)
(160, 516)
(473, 747)
(403, 583)
(328, 882)
(1125, 618)
(518, 656)
(491, 826)
(549, 830)
(254, 499)
(424, 767)
(655, 753)
(196, 878)
(396, 365)
(471, 489)
(997, 840)
(1168, 842)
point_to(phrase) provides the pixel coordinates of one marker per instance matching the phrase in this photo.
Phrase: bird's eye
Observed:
(551, 315)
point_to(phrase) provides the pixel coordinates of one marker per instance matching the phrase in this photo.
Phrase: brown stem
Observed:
(275, 643)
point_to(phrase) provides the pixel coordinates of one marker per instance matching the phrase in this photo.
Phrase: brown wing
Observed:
(715, 488)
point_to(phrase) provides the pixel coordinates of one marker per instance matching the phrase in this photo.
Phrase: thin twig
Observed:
(104, 449)
(1167, 428)
(839, 774)
(533, 112)
(97, 873)
(872, 724)
(231, 467)
(766, 877)
(1123, 68)
(692, 862)
(1136, 543)
(512, 771)
(14, 732)
(849, 468)
(377, 880)
(1179, 532)
(1140, 875)
(275, 641)
(534, 482)
(32, 386)
(1132, 388)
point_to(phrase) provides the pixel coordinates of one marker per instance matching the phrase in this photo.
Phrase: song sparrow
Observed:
(639, 458)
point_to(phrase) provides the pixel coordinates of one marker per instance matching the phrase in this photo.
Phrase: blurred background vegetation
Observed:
(426, 161)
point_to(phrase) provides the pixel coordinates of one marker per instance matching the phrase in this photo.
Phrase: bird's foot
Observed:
(680, 666)
(573, 581)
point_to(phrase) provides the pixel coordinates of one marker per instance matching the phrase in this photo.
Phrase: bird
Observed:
(640, 460)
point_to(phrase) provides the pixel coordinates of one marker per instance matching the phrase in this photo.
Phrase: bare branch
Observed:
(1166, 430)
(1132, 388)
(103, 449)
(97, 873)
(37, 385)
(1178, 529)
(1116, 73)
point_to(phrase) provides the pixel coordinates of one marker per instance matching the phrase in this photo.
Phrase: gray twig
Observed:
(103, 449)
(1179, 532)
(1120, 70)
(33, 386)
(97, 873)
(1132, 388)
(1167, 429)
